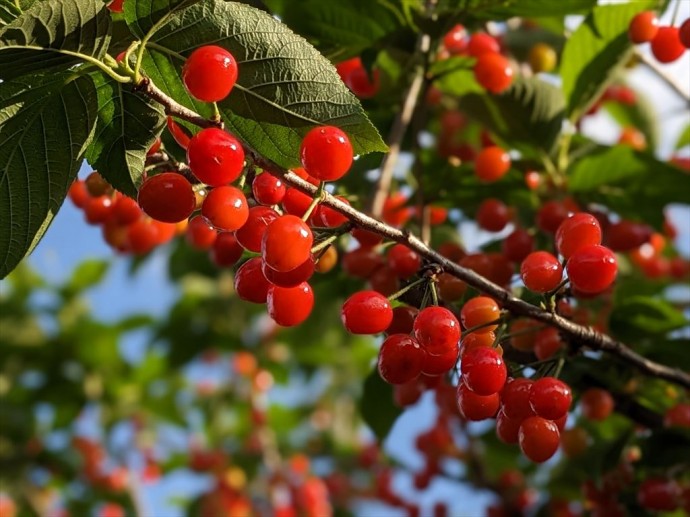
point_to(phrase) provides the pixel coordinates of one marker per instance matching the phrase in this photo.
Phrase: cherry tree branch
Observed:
(580, 336)
(671, 81)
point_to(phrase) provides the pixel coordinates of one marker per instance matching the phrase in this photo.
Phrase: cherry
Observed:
(251, 233)
(178, 133)
(507, 429)
(574, 442)
(476, 340)
(115, 235)
(400, 359)
(542, 58)
(78, 193)
(551, 215)
(455, 40)
(291, 278)
(290, 306)
(491, 164)
(575, 232)
(493, 72)
(539, 438)
(541, 271)
(627, 235)
(326, 153)
(678, 416)
(366, 312)
(395, 212)
(210, 73)
(515, 398)
(268, 189)
(403, 320)
(592, 269)
(483, 370)
(523, 333)
(658, 494)
(286, 243)
(357, 79)
(632, 137)
(450, 288)
(547, 343)
(226, 251)
(366, 238)
(126, 210)
(167, 197)
(532, 180)
(440, 364)
(116, 6)
(643, 27)
(226, 208)
(493, 215)
(331, 218)
(98, 209)
(361, 262)
(200, 234)
(142, 236)
(517, 245)
(476, 407)
(666, 45)
(596, 404)
(97, 186)
(250, 283)
(155, 146)
(403, 261)
(480, 311)
(215, 157)
(684, 33)
(481, 43)
(550, 398)
(437, 330)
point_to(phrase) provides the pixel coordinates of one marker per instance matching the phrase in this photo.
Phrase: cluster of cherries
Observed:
(667, 43)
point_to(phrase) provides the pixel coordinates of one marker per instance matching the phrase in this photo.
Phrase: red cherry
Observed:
(226, 251)
(400, 359)
(331, 218)
(78, 193)
(290, 306)
(627, 235)
(491, 164)
(507, 429)
(361, 83)
(366, 238)
(456, 40)
(361, 262)
(209, 73)
(178, 133)
(250, 283)
(575, 232)
(286, 243)
(476, 407)
(215, 157)
(440, 364)
(483, 370)
(666, 45)
(366, 312)
(492, 215)
(126, 210)
(268, 189)
(493, 72)
(481, 43)
(167, 197)
(155, 147)
(251, 233)
(515, 398)
(547, 342)
(480, 311)
(476, 340)
(403, 320)
(678, 416)
(541, 271)
(384, 281)
(684, 33)
(142, 236)
(437, 330)
(226, 208)
(326, 153)
(517, 245)
(200, 234)
(551, 215)
(98, 209)
(659, 494)
(403, 261)
(550, 398)
(291, 278)
(539, 438)
(643, 27)
(596, 404)
(592, 269)
(116, 6)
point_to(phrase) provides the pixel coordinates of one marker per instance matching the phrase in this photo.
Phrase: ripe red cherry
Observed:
(515, 398)
(481, 43)
(551, 215)
(296, 203)
(678, 416)
(643, 27)
(209, 73)
(366, 312)
(290, 278)
(357, 79)
(440, 364)
(547, 342)
(361, 262)
(493, 72)
(437, 330)
(403, 261)
(98, 209)
(126, 210)
(200, 234)
(507, 429)
(550, 398)
(178, 134)
(250, 283)
(517, 245)
(287, 243)
(329, 217)
(627, 235)
(326, 153)
(491, 164)
(592, 269)
(476, 407)
(596, 404)
(403, 320)
(455, 40)
(78, 193)
(226, 251)
(658, 494)
(400, 359)
(493, 215)
(666, 45)
(480, 311)
(215, 157)
(483, 370)
(116, 6)
(684, 33)
(541, 271)
(226, 208)
(575, 232)
(167, 197)
(539, 438)
(268, 189)
(252, 232)
(290, 306)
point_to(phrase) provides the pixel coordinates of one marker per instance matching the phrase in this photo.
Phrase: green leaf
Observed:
(530, 112)
(8, 12)
(42, 144)
(640, 316)
(87, 274)
(640, 115)
(126, 127)
(454, 76)
(634, 184)
(595, 52)
(683, 138)
(142, 15)
(536, 8)
(664, 448)
(376, 405)
(54, 33)
(285, 87)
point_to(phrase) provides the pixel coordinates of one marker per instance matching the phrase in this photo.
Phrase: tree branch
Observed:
(661, 73)
(580, 336)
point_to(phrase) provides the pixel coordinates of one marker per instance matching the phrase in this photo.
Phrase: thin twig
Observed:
(671, 81)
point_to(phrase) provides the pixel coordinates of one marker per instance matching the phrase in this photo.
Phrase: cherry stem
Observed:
(434, 293)
(532, 365)
(676, 10)
(497, 321)
(402, 291)
(325, 243)
(318, 197)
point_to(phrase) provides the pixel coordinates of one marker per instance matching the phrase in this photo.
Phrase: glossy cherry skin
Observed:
(251, 233)
(483, 370)
(515, 398)
(226, 208)
(200, 234)
(250, 283)
(226, 251)
(666, 45)
(592, 269)
(215, 157)
(643, 27)
(403, 320)
(403, 261)
(126, 210)
(400, 359)
(440, 364)
(517, 245)
(437, 330)
(491, 164)
(507, 429)
(492, 215)
(575, 232)
(550, 398)
(357, 79)
(290, 306)
(78, 193)
(286, 243)
(476, 407)
(178, 133)
(684, 33)
(480, 311)
(541, 271)
(291, 278)
(326, 153)
(493, 72)
(596, 404)
(481, 43)
(167, 197)
(551, 215)
(456, 40)
(539, 438)
(547, 342)
(210, 73)
(268, 189)
(366, 312)
(329, 217)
